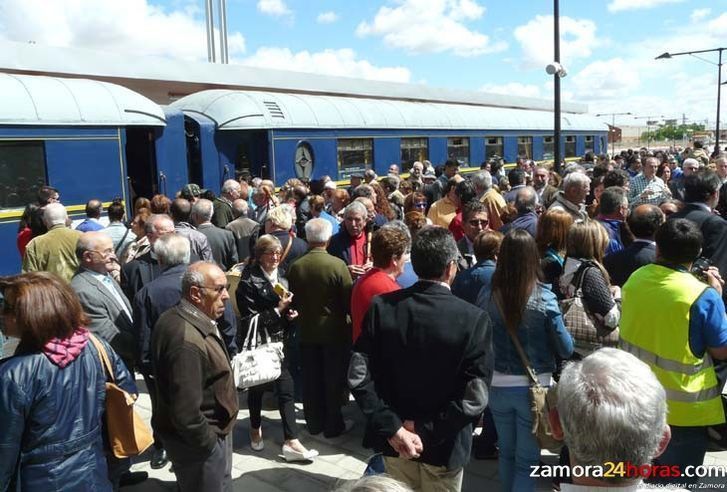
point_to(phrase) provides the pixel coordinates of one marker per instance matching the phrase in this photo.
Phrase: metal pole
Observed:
(223, 31)
(556, 108)
(612, 134)
(719, 97)
(209, 13)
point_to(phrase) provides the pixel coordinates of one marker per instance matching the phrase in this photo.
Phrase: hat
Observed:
(330, 185)
(429, 174)
(190, 190)
(357, 174)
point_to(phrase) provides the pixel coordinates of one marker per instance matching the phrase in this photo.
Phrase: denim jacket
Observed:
(541, 333)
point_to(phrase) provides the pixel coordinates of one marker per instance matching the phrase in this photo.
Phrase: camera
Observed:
(700, 267)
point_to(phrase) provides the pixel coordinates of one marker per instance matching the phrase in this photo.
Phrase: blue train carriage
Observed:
(286, 135)
(87, 138)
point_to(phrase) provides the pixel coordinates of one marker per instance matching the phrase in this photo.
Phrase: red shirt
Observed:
(358, 250)
(370, 284)
(23, 239)
(455, 227)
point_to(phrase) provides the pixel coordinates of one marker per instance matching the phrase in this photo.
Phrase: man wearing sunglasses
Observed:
(474, 221)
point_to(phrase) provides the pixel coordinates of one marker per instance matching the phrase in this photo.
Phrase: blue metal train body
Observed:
(160, 154)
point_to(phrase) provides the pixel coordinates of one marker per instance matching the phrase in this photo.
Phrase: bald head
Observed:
(240, 208)
(181, 209)
(95, 250)
(525, 200)
(645, 220)
(93, 209)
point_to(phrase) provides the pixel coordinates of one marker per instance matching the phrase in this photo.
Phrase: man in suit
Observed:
(197, 402)
(222, 242)
(643, 222)
(321, 284)
(142, 270)
(54, 251)
(101, 297)
(526, 200)
(701, 193)
(418, 404)
(181, 210)
(242, 228)
(109, 312)
(351, 242)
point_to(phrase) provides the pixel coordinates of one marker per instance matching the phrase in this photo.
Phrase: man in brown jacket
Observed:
(196, 396)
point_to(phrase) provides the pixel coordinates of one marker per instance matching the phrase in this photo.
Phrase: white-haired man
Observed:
(221, 241)
(322, 287)
(54, 251)
(242, 228)
(223, 213)
(572, 199)
(610, 408)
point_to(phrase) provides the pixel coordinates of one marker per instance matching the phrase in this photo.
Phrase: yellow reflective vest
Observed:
(655, 312)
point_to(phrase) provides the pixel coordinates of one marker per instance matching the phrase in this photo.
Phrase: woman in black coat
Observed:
(263, 292)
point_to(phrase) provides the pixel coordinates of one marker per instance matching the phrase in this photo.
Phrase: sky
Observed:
(607, 47)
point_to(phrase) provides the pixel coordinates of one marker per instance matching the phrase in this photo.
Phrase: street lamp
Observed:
(667, 55)
(613, 125)
(556, 84)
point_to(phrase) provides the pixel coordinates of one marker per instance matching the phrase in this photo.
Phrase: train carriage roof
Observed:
(36, 100)
(246, 110)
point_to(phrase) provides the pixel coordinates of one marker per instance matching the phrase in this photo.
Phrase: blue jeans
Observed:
(518, 448)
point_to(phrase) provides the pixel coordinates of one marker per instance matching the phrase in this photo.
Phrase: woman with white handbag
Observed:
(264, 303)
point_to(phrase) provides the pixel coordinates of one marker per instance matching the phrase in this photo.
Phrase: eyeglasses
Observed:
(275, 252)
(476, 222)
(218, 289)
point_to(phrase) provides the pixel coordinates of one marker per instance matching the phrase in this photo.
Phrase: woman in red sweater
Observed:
(389, 246)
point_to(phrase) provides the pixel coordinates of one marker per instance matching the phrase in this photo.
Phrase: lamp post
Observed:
(667, 55)
(613, 125)
(557, 73)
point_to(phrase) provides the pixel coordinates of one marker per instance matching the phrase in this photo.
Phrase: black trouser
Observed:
(151, 386)
(210, 474)
(324, 381)
(285, 389)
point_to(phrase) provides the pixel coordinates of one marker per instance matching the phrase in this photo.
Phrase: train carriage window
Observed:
(525, 147)
(459, 148)
(354, 155)
(570, 146)
(412, 150)
(548, 147)
(589, 143)
(494, 146)
(22, 172)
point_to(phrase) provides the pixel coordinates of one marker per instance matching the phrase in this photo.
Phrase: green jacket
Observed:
(321, 284)
(54, 251)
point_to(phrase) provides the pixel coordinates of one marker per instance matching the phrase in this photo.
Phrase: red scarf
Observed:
(63, 352)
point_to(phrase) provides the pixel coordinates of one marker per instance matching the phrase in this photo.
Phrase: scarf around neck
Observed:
(63, 352)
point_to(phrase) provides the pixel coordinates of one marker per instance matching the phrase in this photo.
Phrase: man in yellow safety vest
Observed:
(675, 322)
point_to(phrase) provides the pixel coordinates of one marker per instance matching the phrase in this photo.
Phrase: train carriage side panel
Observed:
(510, 148)
(477, 151)
(538, 147)
(171, 154)
(387, 151)
(437, 150)
(580, 145)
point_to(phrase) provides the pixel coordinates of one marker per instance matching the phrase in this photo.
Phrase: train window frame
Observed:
(548, 155)
(304, 170)
(454, 150)
(525, 143)
(590, 143)
(499, 146)
(345, 170)
(421, 152)
(569, 149)
(34, 170)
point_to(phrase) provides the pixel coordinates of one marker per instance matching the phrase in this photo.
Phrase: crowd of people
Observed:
(435, 298)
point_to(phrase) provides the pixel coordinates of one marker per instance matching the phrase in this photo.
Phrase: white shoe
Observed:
(257, 445)
(290, 454)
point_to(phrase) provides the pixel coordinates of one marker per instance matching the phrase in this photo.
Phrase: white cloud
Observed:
(513, 89)
(604, 79)
(699, 14)
(133, 26)
(327, 17)
(341, 62)
(620, 5)
(577, 40)
(431, 26)
(276, 8)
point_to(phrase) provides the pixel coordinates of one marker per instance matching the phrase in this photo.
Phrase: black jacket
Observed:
(137, 273)
(423, 355)
(621, 264)
(255, 295)
(340, 245)
(714, 230)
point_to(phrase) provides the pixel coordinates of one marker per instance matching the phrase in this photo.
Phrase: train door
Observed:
(141, 165)
(194, 151)
(252, 156)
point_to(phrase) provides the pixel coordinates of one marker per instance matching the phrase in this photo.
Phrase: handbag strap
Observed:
(529, 371)
(103, 355)
(121, 243)
(251, 337)
(287, 246)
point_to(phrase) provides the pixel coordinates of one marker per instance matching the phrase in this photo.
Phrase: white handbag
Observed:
(257, 364)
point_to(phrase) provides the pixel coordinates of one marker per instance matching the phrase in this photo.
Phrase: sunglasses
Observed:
(475, 222)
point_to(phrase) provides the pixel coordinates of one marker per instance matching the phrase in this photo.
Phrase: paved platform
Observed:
(342, 458)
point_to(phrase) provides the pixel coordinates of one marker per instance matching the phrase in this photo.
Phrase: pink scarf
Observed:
(63, 352)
